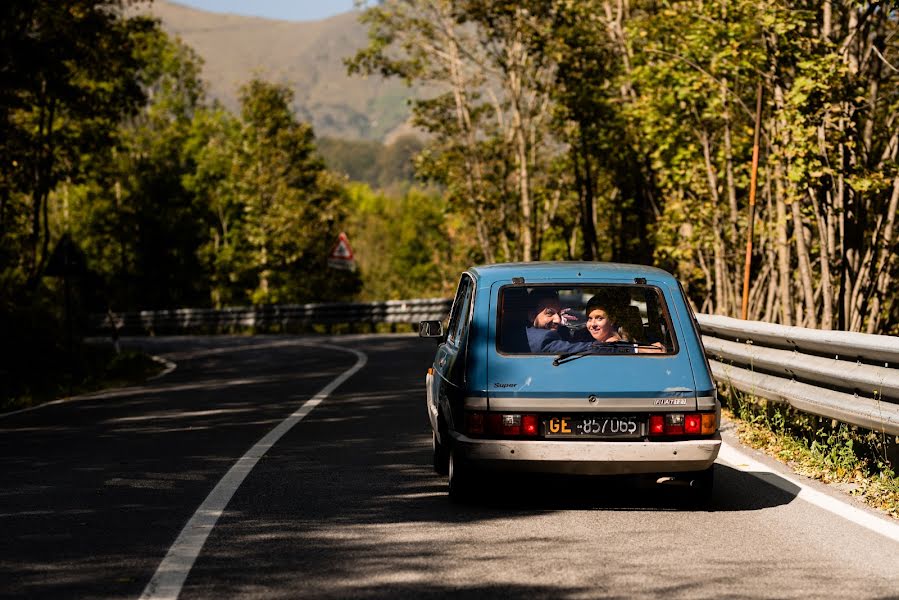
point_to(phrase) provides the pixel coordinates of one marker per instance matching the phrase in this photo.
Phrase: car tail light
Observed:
(683, 424)
(692, 424)
(494, 424)
(674, 424)
(511, 425)
(502, 425)
(475, 423)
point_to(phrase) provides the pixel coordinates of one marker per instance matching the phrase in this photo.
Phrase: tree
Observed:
(489, 119)
(215, 144)
(406, 247)
(291, 207)
(69, 74)
(133, 215)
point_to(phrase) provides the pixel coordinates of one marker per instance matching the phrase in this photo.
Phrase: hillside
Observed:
(306, 55)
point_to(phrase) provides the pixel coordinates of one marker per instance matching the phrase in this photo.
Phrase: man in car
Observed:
(545, 316)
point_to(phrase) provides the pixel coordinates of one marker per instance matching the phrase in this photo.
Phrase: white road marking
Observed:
(169, 367)
(174, 568)
(31, 408)
(738, 460)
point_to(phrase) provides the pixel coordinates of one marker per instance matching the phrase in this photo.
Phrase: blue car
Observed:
(571, 368)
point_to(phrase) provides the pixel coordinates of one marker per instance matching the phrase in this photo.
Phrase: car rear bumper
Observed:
(584, 457)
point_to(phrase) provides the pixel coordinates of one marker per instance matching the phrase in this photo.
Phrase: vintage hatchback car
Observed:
(571, 368)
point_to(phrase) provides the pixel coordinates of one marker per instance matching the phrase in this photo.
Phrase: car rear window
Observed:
(599, 319)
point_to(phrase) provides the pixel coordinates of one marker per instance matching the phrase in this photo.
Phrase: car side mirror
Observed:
(430, 329)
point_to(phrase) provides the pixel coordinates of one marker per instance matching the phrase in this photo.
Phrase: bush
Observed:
(39, 363)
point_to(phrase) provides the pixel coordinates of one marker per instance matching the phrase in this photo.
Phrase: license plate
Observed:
(597, 427)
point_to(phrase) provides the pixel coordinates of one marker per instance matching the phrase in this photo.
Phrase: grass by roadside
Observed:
(94, 367)
(853, 459)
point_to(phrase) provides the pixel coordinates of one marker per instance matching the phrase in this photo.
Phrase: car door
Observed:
(448, 380)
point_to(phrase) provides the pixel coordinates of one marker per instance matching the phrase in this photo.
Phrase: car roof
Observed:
(566, 271)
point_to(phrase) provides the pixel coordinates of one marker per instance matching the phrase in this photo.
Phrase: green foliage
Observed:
(404, 245)
(205, 207)
(138, 195)
(843, 449)
(488, 74)
(820, 448)
(69, 75)
(291, 205)
(214, 142)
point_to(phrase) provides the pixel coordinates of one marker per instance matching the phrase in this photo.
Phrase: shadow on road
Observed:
(734, 491)
(348, 506)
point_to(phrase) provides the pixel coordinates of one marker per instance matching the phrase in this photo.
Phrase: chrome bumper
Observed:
(583, 457)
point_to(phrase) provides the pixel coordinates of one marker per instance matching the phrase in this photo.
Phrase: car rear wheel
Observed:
(441, 456)
(461, 478)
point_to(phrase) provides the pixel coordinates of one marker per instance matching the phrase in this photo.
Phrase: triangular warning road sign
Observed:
(342, 256)
(342, 251)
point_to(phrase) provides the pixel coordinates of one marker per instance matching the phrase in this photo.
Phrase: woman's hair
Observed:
(603, 302)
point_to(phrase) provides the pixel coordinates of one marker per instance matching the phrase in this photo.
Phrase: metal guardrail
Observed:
(851, 377)
(284, 317)
(847, 376)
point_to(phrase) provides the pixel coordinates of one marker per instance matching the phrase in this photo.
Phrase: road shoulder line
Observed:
(739, 460)
(169, 367)
(172, 572)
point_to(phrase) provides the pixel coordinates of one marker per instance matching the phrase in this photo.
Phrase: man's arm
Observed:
(554, 344)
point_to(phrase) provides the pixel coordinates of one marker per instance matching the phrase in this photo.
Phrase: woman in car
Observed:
(603, 325)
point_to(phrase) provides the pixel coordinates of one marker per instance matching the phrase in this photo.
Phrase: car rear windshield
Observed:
(598, 319)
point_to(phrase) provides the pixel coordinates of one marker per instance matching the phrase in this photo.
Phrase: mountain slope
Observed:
(308, 56)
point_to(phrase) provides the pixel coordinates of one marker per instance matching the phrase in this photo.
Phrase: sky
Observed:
(295, 10)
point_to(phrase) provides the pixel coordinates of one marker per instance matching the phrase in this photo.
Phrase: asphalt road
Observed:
(345, 504)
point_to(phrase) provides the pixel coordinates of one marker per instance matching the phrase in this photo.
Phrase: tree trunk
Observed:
(586, 193)
(722, 303)
(729, 164)
(805, 268)
(825, 258)
(780, 191)
(473, 171)
(884, 266)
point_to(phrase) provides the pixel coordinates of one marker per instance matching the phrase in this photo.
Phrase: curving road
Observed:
(344, 503)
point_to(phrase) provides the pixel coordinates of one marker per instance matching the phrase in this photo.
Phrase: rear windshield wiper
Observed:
(597, 348)
(618, 347)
